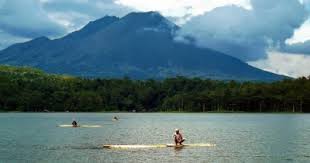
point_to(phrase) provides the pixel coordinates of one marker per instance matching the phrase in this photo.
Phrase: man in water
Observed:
(74, 124)
(178, 138)
(115, 118)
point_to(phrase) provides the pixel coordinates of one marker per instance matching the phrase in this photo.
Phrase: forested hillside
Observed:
(27, 89)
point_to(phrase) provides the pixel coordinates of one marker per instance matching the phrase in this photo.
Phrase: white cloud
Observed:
(246, 34)
(51, 18)
(71, 20)
(9, 39)
(74, 14)
(27, 19)
(300, 35)
(284, 63)
(180, 8)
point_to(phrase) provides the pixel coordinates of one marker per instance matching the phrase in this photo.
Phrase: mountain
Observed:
(138, 45)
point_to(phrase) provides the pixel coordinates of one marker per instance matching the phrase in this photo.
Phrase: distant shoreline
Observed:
(211, 112)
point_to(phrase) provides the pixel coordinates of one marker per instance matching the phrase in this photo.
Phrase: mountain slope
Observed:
(139, 45)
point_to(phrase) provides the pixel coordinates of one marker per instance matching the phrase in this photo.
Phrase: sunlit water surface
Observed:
(35, 137)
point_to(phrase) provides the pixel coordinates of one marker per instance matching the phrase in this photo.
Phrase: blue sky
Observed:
(270, 34)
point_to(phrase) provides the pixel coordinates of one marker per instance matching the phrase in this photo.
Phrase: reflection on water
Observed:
(238, 137)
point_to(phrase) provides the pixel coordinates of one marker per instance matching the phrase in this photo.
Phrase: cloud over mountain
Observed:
(27, 19)
(75, 13)
(247, 34)
(242, 28)
(297, 48)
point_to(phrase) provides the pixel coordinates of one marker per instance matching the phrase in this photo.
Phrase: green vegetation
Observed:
(27, 89)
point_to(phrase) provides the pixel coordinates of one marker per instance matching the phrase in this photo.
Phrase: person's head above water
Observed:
(177, 131)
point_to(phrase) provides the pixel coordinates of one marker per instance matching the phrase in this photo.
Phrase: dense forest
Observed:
(28, 90)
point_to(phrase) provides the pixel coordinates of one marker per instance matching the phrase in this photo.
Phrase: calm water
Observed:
(30, 137)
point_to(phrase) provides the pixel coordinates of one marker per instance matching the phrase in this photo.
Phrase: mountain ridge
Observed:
(138, 45)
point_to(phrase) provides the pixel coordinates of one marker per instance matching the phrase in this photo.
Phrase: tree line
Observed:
(32, 90)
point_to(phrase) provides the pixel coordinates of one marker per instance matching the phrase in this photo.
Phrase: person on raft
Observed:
(115, 118)
(178, 138)
(74, 124)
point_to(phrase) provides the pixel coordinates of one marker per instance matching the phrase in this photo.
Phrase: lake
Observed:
(35, 137)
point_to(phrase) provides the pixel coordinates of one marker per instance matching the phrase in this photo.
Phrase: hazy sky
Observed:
(270, 34)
